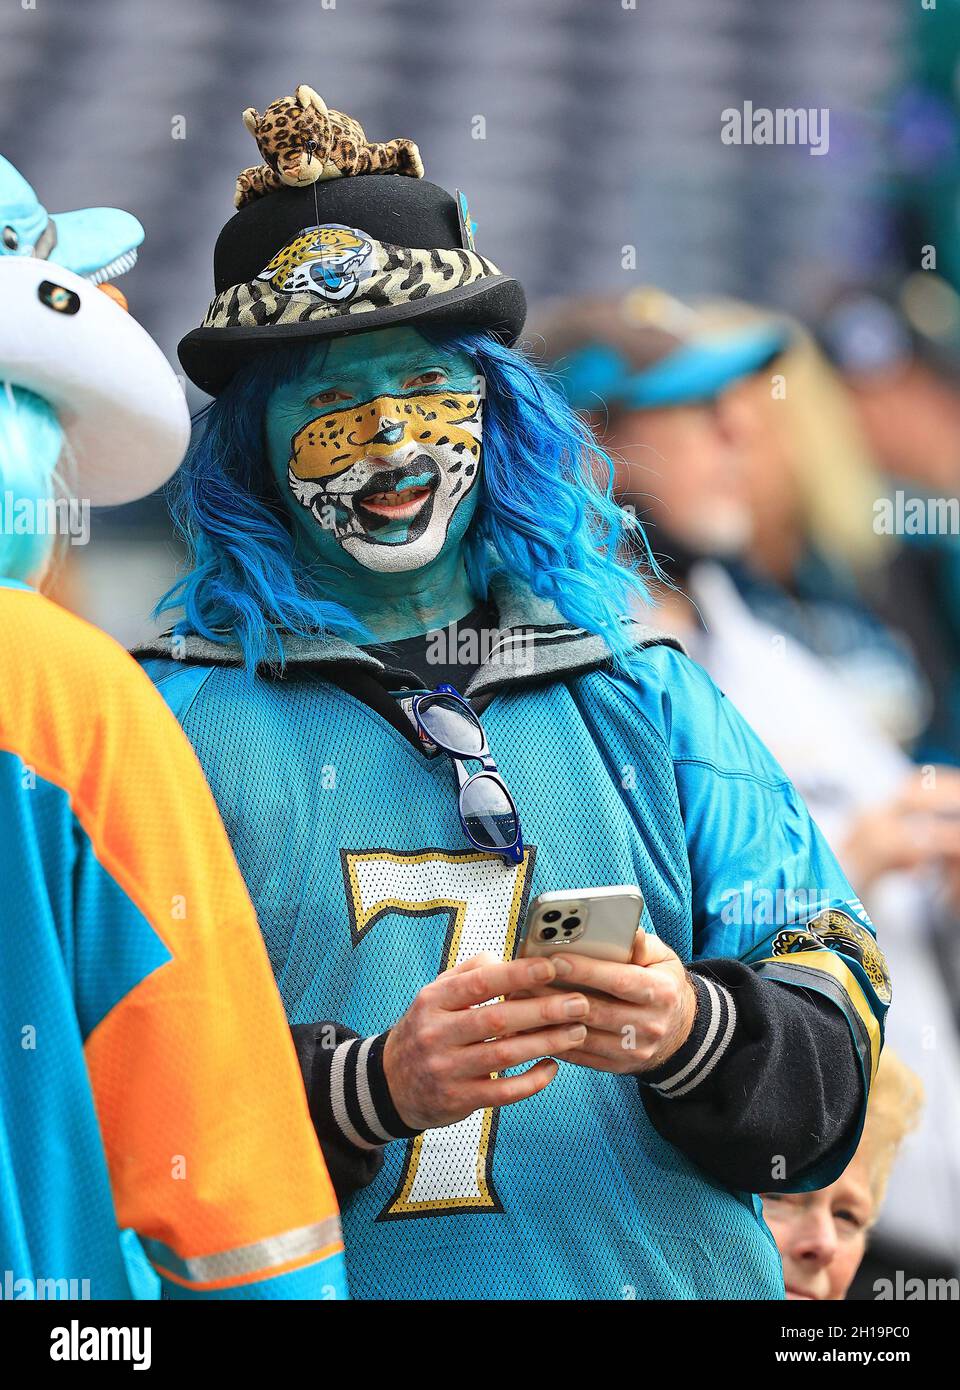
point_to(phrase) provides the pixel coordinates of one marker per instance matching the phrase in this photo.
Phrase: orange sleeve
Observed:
(211, 1150)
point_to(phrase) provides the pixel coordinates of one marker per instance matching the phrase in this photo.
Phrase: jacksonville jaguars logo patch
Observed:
(839, 932)
(330, 261)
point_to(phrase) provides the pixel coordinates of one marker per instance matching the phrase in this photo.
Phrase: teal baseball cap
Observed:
(96, 243)
(647, 350)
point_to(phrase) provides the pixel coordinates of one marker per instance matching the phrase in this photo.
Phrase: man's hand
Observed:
(917, 828)
(642, 1013)
(439, 1056)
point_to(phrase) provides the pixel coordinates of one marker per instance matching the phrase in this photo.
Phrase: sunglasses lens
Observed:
(451, 726)
(488, 814)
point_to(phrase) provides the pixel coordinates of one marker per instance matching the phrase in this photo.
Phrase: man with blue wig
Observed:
(387, 499)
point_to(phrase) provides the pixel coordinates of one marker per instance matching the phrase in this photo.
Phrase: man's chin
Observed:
(724, 534)
(794, 1296)
(398, 558)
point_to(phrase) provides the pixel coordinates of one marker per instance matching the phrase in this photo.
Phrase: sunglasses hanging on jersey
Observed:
(487, 810)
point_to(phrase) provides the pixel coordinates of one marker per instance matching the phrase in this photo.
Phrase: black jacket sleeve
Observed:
(767, 1086)
(349, 1100)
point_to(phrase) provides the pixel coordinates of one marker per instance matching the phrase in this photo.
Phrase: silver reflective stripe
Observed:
(263, 1255)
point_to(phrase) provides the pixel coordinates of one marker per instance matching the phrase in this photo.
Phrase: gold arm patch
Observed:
(838, 931)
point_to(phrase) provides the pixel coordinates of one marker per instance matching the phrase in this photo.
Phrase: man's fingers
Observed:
(922, 794)
(463, 989)
(514, 1016)
(625, 982)
(613, 1047)
(942, 839)
(612, 1015)
(502, 1053)
(579, 1058)
(484, 958)
(648, 949)
(507, 1090)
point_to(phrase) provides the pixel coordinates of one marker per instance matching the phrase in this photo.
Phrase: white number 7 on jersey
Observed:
(448, 1169)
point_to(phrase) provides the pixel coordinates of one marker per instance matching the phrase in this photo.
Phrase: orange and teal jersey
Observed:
(148, 1081)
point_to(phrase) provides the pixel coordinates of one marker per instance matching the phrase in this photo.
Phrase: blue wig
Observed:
(542, 515)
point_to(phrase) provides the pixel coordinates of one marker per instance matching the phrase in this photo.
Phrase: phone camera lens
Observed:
(548, 933)
(571, 923)
(553, 915)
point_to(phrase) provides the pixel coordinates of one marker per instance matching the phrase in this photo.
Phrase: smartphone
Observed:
(597, 922)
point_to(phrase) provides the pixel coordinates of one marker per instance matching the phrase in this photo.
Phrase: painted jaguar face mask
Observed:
(378, 448)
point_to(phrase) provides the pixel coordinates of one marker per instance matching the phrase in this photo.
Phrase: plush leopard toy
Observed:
(302, 142)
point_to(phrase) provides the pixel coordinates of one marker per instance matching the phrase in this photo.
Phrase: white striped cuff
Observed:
(711, 1035)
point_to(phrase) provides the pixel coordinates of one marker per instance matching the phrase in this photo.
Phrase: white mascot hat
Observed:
(119, 404)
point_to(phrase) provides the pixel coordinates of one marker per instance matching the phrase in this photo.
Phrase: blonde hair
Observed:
(893, 1110)
(836, 472)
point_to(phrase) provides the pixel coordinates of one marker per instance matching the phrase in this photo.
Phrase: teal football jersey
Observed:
(349, 841)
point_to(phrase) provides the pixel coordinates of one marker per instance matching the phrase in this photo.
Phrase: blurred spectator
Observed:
(822, 1236)
(628, 365)
(899, 356)
(686, 463)
(814, 557)
(892, 828)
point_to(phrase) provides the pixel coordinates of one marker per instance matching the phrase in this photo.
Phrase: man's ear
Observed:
(251, 119)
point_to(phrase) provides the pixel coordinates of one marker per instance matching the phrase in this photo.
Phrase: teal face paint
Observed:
(376, 449)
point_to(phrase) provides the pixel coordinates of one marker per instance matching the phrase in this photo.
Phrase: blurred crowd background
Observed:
(587, 136)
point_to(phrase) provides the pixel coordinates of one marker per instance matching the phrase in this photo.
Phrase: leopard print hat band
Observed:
(331, 271)
(331, 279)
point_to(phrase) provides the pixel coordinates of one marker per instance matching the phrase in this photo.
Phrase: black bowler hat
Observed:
(343, 256)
